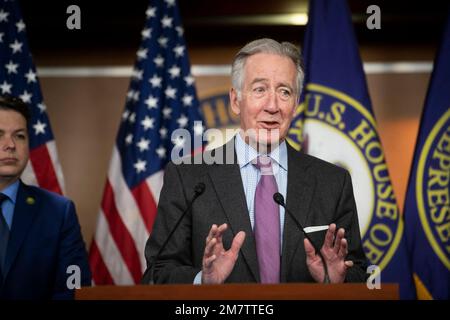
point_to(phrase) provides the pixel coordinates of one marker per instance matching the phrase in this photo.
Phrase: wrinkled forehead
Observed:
(271, 68)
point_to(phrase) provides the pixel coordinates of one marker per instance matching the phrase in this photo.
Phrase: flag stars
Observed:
(5, 87)
(187, 100)
(159, 61)
(16, 46)
(11, 67)
(166, 22)
(161, 152)
(31, 76)
(189, 80)
(132, 118)
(1, 37)
(174, 72)
(148, 123)
(135, 97)
(129, 139)
(26, 97)
(130, 94)
(170, 92)
(137, 74)
(140, 166)
(125, 115)
(180, 31)
(142, 54)
(143, 144)
(163, 132)
(151, 102)
(155, 81)
(150, 12)
(146, 33)
(167, 112)
(4, 16)
(42, 107)
(163, 41)
(182, 121)
(39, 127)
(198, 128)
(162, 76)
(170, 3)
(20, 26)
(179, 51)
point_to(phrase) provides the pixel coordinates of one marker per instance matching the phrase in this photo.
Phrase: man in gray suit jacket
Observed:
(226, 236)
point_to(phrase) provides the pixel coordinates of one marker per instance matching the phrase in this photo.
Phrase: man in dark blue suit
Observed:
(42, 253)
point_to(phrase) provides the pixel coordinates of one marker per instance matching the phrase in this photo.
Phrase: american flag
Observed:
(161, 98)
(18, 78)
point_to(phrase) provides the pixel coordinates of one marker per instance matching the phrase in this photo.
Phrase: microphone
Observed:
(279, 199)
(198, 190)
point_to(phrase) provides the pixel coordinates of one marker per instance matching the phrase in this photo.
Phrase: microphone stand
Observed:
(198, 190)
(279, 199)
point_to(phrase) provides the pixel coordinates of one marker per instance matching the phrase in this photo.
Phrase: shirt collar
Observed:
(11, 191)
(246, 153)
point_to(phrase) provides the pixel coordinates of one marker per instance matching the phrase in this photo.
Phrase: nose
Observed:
(7, 143)
(272, 102)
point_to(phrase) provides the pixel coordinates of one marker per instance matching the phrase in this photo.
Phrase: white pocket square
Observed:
(315, 228)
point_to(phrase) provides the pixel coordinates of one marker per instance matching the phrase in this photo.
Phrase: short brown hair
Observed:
(8, 102)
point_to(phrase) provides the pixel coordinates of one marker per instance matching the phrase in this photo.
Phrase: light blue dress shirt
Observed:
(250, 177)
(250, 174)
(9, 204)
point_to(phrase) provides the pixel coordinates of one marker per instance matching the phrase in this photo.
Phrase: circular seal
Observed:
(336, 128)
(432, 188)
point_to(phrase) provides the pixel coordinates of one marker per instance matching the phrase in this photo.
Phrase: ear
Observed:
(234, 102)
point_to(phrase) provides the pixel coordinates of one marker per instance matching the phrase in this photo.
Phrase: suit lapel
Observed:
(300, 189)
(227, 182)
(24, 214)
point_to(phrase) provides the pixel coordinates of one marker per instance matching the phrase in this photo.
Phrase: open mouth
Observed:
(269, 124)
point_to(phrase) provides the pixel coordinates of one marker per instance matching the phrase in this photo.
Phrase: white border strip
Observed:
(85, 72)
(219, 70)
(398, 67)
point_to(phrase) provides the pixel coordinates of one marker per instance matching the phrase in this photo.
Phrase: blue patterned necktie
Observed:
(267, 223)
(4, 233)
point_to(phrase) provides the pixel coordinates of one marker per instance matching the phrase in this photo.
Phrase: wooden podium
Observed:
(294, 291)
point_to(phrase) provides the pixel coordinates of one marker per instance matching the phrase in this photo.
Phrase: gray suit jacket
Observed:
(318, 193)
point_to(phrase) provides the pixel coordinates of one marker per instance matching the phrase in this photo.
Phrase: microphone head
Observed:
(278, 198)
(199, 188)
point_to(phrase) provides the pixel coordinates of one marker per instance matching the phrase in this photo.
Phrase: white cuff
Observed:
(198, 278)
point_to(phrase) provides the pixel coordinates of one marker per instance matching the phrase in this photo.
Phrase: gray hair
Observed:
(265, 45)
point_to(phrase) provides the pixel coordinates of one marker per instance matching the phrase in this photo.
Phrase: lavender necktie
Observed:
(267, 223)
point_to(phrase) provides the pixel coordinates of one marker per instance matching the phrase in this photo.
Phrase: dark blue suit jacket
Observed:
(45, 239)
